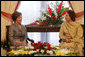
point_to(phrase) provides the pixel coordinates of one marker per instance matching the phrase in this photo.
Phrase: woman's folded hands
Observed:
(20, 41)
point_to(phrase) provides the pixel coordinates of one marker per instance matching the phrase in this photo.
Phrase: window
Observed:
(36, 36)
(31, 11)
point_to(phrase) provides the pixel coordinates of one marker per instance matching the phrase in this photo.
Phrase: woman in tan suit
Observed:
(17, 32)
(71, 34)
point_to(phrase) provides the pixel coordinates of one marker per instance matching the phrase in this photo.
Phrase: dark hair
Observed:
(15, 15)
(71, 14)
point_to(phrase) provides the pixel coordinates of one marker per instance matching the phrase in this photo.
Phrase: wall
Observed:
(8, 7)
(78, 6)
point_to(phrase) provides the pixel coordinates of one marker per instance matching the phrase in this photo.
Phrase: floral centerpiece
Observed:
(41, 49)
(52, 17)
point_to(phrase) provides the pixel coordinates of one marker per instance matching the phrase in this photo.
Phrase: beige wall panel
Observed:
(78, 6)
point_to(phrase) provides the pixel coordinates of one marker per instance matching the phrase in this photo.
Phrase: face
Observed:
(67, 17)
(19, 19)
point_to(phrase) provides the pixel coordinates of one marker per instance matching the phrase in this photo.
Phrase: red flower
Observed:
(50, 22)
(55, 20)
(53, 23)
(38, 47)
(42, 23)
(48, 16)
(59, 22)
(35, 23)
(48, 44)
(44, 49)
(46, 22)
(59, 16)
(52, 16)
(44, 44)
(35, 47)
(33, 44)
(50, 11)
(49, 48)
(64, 13)
(39, 42)
(59, 7)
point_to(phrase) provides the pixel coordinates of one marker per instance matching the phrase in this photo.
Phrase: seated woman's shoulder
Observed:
(11, 26)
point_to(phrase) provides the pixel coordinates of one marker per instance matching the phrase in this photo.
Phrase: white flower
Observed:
(31, 47)
(20, 50)
(64, 51)
(29, 44)
(52, 45)
(47, 51)
(44, 12)
(51, 52)
(43, 18)
(31, 52)
(37, 50)
(42, 51)
(56, 15)
(16, 53)
(26, 47)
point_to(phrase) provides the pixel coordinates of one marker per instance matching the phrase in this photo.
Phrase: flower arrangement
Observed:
(18, 53)
(65, 52)
(52, 17)
(41, 49)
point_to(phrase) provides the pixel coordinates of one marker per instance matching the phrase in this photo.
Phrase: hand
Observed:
(12, 47)
(18, 41)
(23, 41)
(68, 40)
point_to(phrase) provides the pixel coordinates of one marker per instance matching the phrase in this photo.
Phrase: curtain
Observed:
(7, 8)
(78, 7)
(70, 5)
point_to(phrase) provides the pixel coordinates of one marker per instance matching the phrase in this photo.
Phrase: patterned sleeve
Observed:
(11, 33)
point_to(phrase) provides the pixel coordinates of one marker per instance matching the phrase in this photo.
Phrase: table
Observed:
(37, 28)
